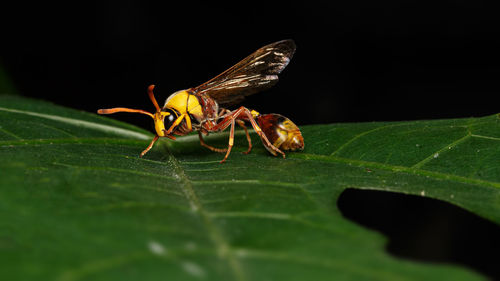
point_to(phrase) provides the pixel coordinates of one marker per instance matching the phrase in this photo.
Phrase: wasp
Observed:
(204, 108)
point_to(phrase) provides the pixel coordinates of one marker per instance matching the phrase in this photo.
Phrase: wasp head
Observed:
(164, 121)
(163, 118)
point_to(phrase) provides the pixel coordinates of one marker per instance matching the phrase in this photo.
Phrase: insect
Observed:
(197, 109)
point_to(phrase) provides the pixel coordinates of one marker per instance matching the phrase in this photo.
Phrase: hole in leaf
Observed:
(426, 229)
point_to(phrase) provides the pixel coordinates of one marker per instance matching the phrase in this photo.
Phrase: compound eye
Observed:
(169, 119)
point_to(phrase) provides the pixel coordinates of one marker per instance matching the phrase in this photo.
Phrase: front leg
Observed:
(149, 146)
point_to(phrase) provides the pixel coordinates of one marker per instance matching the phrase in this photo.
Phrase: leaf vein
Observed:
(398, 169)
(339, 264)
(364, 134)
(443, 149)
(216, 236)
(261, 182)
(57, 129)
(126, 171)
(485, 137)
(11, 134)
(82, 123)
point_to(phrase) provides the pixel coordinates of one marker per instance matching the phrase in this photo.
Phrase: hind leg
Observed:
(230, 118)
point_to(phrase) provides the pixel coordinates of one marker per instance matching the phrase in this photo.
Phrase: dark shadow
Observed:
(425, 229)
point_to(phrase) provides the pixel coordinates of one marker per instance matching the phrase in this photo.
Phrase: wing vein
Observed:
(253, 74)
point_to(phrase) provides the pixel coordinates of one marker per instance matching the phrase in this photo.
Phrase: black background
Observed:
(355, 60)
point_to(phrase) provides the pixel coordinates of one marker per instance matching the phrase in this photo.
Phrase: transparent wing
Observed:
(254, 73)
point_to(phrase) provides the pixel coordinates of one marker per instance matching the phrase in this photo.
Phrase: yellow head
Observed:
(164, 118)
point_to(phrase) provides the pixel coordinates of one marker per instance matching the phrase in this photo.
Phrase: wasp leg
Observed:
(177, 122)
(261, 134)
(222, 150)
(231, 141)
(230, 120)
(215, 149)
(224, 111)
(149, 146)
(249, 140)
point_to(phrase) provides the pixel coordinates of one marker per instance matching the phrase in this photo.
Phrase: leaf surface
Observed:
(76, 202)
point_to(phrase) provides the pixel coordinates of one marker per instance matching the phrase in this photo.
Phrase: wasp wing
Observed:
(254, 73)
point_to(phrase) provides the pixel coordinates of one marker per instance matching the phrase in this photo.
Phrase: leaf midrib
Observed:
(221, 245)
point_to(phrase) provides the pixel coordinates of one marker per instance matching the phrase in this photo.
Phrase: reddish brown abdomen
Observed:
(281, 131)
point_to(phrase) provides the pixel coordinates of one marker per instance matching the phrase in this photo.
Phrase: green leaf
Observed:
(77, 203)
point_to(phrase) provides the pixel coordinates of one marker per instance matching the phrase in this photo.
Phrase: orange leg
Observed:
(249, 140)
(229, 120)
(231, 141)
(257, 129)
(222, 150)
(215, 149)
(150, 146)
